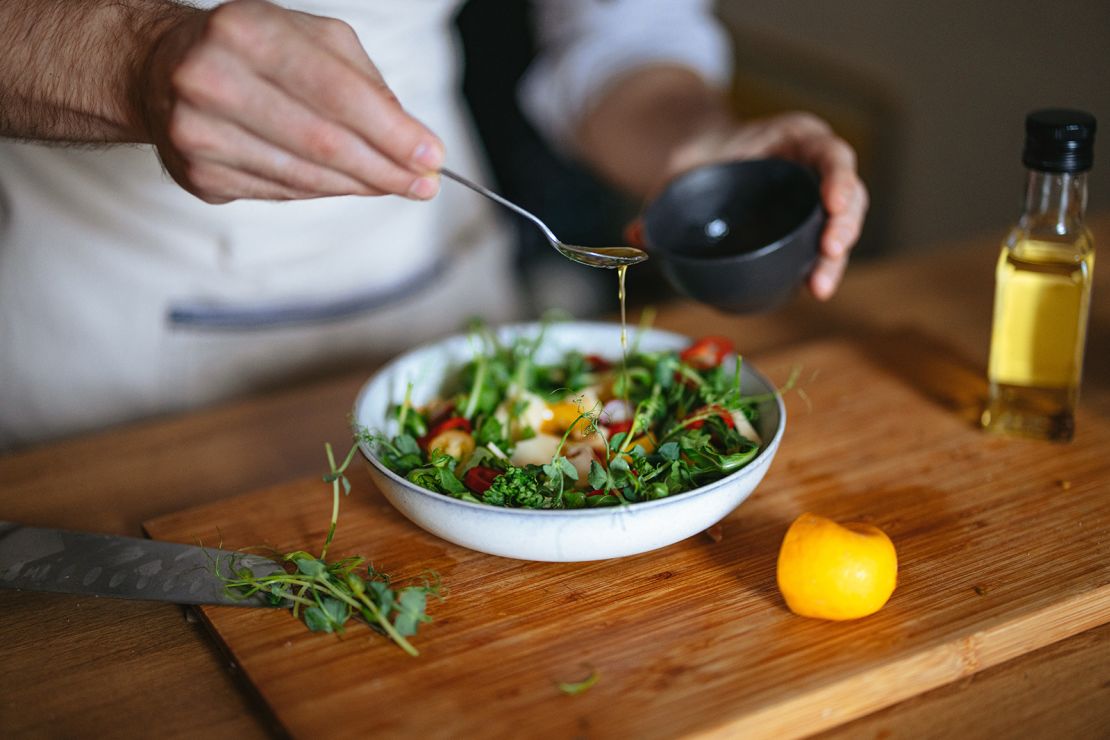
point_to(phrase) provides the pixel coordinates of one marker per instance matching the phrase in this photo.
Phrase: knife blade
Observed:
(40, 559)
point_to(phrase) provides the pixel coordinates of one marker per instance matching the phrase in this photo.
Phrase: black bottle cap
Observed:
(1059, 140)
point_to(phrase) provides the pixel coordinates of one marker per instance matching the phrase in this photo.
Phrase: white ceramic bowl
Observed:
(555, 535)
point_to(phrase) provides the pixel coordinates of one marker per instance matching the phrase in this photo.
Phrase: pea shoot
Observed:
(327, 595)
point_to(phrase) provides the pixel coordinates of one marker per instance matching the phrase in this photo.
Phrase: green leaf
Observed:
(670, 451)
(383, 595)
(490, 431)
(730, 463)
(618, 466)
(406, 444)
(328, 616)
(410, 610)
(317, 620)
(449, 483)
(567, 467)
(311, 567)
(599, 477)
(617, 440)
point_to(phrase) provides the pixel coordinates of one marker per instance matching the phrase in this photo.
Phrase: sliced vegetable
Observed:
(480, 478)
(454, 422)
(698, 418)
(454, 442)
(707, 352)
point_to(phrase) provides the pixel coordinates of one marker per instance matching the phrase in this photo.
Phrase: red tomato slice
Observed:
(707, 352)
(479, 478)
(723, 413)
(455, 422)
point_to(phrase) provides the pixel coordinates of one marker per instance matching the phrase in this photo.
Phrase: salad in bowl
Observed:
(546, 442)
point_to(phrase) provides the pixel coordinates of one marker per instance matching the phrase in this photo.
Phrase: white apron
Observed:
(122, 296)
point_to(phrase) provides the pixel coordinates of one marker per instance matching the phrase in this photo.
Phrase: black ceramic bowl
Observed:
(740, 236)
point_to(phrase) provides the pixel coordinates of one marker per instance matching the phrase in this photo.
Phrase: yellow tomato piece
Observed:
(835, 571)
(455, 442)
(563, 415)
(644, 440)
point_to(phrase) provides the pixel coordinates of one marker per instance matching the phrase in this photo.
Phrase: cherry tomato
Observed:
(619, 426)
(480, 478)
(707, 352)
(597, 362)
(455, 422)
(723, 413)
(437, 411)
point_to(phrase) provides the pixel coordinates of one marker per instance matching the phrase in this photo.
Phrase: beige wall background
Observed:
(933, 95)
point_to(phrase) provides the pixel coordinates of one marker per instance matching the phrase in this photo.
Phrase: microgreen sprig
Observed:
(327, 595)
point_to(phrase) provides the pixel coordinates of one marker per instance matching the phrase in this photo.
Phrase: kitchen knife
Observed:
(36, 559)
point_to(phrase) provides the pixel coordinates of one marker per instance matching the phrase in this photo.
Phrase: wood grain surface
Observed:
(1002, 546)
(75, 667)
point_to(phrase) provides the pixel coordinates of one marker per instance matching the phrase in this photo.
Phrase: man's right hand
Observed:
(250, 100)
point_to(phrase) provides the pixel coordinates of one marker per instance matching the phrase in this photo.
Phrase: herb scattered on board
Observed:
(580, 687)
(327, 595)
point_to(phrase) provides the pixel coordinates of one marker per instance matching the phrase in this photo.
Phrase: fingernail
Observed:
(428, 154)
(423, 188)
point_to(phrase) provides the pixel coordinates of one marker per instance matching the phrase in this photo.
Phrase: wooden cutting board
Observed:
(1003, 548)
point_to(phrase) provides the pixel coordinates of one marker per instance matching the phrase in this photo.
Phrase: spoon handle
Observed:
(507, 203)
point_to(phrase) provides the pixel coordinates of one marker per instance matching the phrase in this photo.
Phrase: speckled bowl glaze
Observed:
(555, 535)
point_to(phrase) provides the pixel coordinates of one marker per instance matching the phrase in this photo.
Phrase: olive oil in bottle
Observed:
(1043, 285)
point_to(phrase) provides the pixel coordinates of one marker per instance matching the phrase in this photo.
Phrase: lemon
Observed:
(835, 571)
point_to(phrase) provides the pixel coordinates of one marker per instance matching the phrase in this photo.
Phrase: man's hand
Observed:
(663, 121)
(806, 139)
(250, 100)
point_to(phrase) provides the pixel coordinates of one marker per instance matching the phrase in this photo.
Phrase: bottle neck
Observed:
(1054, 202)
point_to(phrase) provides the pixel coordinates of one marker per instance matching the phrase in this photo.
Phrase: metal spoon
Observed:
(591, 256)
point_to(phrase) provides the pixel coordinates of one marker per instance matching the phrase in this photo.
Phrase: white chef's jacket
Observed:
(121, 295)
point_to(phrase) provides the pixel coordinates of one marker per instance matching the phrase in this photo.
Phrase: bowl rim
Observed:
(767, 451)
(817, 213)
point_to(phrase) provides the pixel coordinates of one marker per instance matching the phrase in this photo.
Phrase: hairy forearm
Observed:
(637, 134)
(71, 70)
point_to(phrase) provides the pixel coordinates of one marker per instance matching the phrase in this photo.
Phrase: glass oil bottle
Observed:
(1043, 285)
